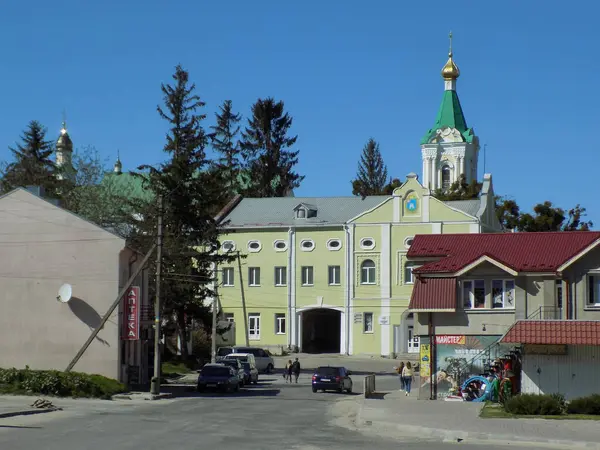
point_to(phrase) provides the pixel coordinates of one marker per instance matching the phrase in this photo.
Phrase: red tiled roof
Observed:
(559, 332)
(433, 294)
(522, 252)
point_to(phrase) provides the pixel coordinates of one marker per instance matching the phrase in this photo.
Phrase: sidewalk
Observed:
(398, 415)
(20, 406)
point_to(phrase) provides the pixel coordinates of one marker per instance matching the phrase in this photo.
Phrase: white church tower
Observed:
(450, 148)
(64, 154)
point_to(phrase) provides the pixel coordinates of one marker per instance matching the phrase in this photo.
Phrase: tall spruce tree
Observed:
(266, 148)
(32, 165)
(224, 141)
(191, 235)
(372, 174)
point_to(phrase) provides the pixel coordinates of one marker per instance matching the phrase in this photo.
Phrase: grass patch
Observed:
(496, 411)
(173, 369)
(59, 384)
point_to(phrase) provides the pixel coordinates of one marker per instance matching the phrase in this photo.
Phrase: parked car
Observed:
(264, 361)
(250, 372)
(332, 379)
(218, 376)
(237, 366)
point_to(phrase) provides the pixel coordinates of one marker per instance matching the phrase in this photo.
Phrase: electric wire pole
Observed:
(239, 259)
(155, 384)
(215, 310)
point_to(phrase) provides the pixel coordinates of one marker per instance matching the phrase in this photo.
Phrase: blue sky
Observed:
(346, 70)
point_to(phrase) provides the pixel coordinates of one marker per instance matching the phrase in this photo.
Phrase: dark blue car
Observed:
(332, 379)
(220, 377)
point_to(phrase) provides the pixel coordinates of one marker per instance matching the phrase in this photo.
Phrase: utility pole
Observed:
(215, 310)
(155, 384)
(239, 258)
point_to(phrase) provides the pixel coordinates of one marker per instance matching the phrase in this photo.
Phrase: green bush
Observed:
(585, 405)
(535, 405)
(60, 384)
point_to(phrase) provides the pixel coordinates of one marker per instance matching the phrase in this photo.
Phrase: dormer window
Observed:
(305, 211)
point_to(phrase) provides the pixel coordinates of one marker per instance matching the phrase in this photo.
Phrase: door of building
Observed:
(414, 342)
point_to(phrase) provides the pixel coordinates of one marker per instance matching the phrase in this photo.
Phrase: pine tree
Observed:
(32, 165)
(224, 142)
(266, 150)
(372, 175)
(191, 235)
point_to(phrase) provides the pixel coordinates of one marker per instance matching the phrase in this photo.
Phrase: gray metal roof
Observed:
(468, 206)
(279, 211)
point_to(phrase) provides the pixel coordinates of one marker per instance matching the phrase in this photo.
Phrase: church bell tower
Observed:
(450, 148)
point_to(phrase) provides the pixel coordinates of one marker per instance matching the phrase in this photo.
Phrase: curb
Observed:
(27, 412)
(455, 436)
(142, 396)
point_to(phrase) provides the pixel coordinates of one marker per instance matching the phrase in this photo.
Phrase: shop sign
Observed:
(447, 339)
(425, 361)
(384, 320)
(131, 313)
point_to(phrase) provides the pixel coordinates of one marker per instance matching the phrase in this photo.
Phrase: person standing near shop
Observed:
(407, 375)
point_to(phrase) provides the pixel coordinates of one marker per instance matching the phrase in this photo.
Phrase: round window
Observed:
(367, 243)
(254, 245)
(307, 244)
(334, 244)
(279, 245)
(228, 246)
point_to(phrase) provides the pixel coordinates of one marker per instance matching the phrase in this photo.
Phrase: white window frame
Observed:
(253, 276)
(229, 317)
(593, 296)
(254, 250)
(280, 276)
(406, 244)
(280, 241)
(280, 323)
(331, 270)
(304, 249)
(232, 249)
(334, 249)
(365, 330)
(471, 300)
(254, 331)
(367, 247)
(228, 276)
(412, 265)
(506, 292)
(368, 270)
(307, 274)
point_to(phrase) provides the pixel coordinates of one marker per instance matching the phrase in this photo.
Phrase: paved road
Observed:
(272, 415)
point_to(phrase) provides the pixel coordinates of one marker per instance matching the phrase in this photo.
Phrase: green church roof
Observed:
(127, 184)
(450, 115)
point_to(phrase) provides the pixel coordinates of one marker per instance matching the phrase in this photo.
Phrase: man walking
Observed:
(296, 370)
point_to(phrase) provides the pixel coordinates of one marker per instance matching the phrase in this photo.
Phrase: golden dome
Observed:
(450, 70)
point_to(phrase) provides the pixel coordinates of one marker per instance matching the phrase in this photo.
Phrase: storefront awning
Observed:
(433, 295)
(554, 332)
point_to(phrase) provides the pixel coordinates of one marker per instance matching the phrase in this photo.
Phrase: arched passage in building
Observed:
(321, 331)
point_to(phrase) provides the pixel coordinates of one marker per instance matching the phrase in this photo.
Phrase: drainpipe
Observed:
(349, 321)
(567, 299)
(290, 278)
(432, 358)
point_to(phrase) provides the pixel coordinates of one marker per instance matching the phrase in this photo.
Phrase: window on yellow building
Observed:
(280, 276)
(367, 272)
(334, 275)
(279, 323)
(228, 275)
(307, 276)
(253, 276)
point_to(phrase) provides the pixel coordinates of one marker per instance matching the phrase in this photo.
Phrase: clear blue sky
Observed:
(347, 70)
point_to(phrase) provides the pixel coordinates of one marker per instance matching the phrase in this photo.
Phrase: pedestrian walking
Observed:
(399, 370)
(296, 369)
(407, 374)
(289, 368)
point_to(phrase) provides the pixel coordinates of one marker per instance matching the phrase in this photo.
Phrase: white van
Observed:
(264, 362)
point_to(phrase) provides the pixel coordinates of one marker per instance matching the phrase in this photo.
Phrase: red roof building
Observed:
(554, 332)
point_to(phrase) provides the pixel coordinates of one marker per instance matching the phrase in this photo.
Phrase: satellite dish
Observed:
(64, 293)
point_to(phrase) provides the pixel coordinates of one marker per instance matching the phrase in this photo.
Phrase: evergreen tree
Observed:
(224, 142)
(372, 174)
(191, 235)
(32, 165)
(266, 151)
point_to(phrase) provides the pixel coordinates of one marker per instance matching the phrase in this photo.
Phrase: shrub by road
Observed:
(56, 383)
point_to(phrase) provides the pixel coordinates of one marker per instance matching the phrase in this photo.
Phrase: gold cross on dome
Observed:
(450, 36)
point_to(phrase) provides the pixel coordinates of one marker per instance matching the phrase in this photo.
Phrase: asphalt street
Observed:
(272, 415)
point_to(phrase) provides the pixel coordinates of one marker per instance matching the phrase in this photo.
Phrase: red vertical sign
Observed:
(131, 314)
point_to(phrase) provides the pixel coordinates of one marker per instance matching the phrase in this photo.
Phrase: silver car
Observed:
(264, 361)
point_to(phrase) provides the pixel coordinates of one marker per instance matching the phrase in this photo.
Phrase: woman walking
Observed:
(399, 372)
(289, 368)
(407, 374)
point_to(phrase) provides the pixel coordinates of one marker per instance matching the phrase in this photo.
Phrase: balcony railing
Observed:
(546, 313)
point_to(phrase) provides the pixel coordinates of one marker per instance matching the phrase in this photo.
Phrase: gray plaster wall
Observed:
(42, 247)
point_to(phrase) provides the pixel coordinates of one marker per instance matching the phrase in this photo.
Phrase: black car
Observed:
(332, 379)
(218, 376)
(237, 366)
